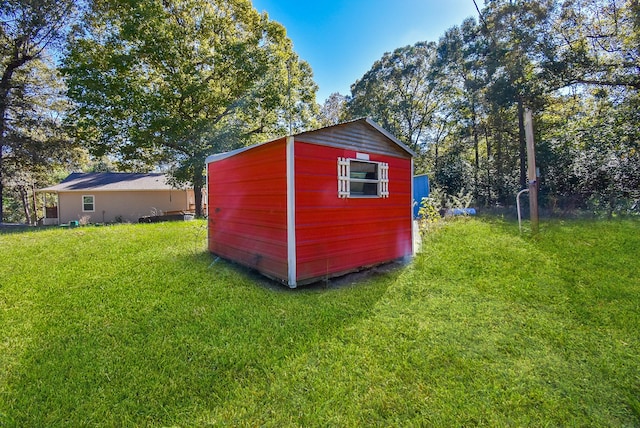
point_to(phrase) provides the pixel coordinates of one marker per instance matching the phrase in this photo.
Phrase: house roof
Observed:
(110, 181)
(366, 121)
(362, 121)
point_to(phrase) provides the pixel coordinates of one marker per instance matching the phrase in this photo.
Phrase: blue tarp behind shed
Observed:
(420, 190)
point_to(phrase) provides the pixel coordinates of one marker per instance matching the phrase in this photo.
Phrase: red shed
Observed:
(314, 205)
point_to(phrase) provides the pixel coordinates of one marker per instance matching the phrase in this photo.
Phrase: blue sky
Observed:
(341, 39)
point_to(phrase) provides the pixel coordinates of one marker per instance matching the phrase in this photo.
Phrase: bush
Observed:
(435, 208)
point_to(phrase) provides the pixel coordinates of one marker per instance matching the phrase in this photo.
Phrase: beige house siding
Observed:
(125, 206)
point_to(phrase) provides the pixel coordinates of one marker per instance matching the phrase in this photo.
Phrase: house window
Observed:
(358, 178)
(88, 203)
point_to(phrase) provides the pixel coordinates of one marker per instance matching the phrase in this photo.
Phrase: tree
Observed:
(575, 63)
(401, 92)
(27, 29)
(462, 55)
(590, 151)
(333, 111)
(539, 52)
(36, 144)
(516, 29)
(593, 53)
(595, 42)
(172, 81)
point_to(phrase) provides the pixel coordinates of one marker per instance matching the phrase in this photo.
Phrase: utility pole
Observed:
(531, 170)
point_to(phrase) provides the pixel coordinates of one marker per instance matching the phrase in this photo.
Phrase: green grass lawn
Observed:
(134, 325)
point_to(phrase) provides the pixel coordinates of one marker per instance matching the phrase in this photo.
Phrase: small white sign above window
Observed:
(362, 156)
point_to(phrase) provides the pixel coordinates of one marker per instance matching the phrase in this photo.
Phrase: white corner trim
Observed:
(291, 213)
(206, 180)
(414, 231)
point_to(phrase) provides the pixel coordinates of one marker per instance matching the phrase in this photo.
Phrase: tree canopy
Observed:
(170, 82)
(28, 29)
(575, 63)
(162, 84)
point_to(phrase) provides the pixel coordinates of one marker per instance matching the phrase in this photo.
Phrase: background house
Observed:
(314, 205)
(107, 197)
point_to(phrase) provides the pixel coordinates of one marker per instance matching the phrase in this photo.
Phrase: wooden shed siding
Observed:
(356, 135)
(248, 209)
(340, 234)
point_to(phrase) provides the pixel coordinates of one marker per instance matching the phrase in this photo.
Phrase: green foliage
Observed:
(430, 212)
(430, 208)
(590, 157)
(401, 93)
(13, 210)
(181, 80)
(462, 102)
(37, 148)
(31, 139)
(333, 110)
(461, 200)
(597, 43)
(485, 327)
(438, 208)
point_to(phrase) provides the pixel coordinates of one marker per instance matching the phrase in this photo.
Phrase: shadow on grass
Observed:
(6, 229)
(485, 328)
(181, 333)
(352, 279)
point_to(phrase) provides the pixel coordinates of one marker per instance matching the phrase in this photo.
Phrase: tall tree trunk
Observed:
(486, 139)
(24, 198)
(3, 110)
(198, 185)
(612, 203)
(34, 207)
(476, 170)
(499, 167)
(5, 88)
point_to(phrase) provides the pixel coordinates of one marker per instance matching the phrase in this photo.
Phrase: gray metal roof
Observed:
(327, 137)
(110, 181)
(357, 135)
(365, 121)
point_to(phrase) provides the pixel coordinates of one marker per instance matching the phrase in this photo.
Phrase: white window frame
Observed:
(93, 203)
(345, 179)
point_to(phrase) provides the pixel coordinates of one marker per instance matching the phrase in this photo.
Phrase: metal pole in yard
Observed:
(531, 170)
(518, 208)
